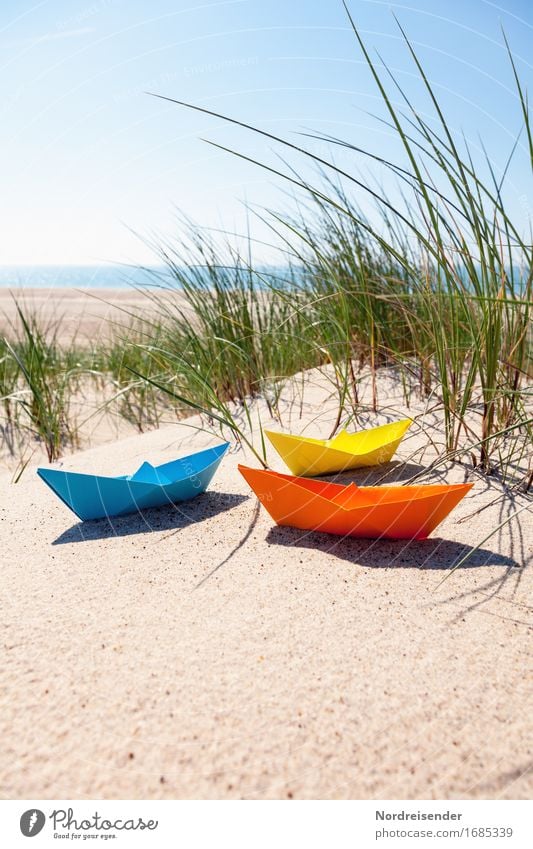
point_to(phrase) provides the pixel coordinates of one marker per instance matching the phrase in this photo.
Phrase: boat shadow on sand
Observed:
(434, 553)
(391, 473)
(171, 518)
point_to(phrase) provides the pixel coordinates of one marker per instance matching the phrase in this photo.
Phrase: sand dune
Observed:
(86, 314)
(200, 652)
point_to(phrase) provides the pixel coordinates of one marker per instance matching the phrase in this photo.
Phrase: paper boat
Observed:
(96, 496)
(393, 512)
(305, 456)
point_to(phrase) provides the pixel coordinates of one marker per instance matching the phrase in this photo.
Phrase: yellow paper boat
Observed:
(308, 457)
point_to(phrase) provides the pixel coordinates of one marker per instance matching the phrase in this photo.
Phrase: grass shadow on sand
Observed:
(434, 553)
(394, 473)
(173, 518)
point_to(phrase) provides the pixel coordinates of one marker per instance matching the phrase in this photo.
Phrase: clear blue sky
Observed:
(86, 154)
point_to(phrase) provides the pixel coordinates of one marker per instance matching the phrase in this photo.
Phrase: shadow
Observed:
(505, 780)
(7, 438)
(238, 545)
(172, 518)
(430, 554)
(394, 472)
(480, 597)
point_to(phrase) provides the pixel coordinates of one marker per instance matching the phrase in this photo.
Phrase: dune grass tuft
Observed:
(435, 283)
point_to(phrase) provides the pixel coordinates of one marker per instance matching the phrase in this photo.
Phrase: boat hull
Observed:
(389, 512)
(96, 497)
(309, 457)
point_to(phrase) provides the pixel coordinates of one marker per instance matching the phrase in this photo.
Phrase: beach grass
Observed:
(42, 380)
(436, 285)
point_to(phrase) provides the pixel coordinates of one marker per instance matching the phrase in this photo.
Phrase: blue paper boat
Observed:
(96, 496)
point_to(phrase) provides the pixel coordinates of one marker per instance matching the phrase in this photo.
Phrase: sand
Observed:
(200, 652)
(84, 314)
(83, 318)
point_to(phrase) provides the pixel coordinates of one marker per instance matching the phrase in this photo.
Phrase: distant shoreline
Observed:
(22, 278)
(79, 276)
(85, 314)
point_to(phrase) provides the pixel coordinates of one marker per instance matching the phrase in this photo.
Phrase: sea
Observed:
(81, 276)
(111, 276)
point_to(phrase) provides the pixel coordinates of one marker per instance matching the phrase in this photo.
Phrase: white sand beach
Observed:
(225, 218)
(200, 652)
(85, 315)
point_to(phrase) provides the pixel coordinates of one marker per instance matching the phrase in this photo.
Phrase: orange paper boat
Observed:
(393, 512)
